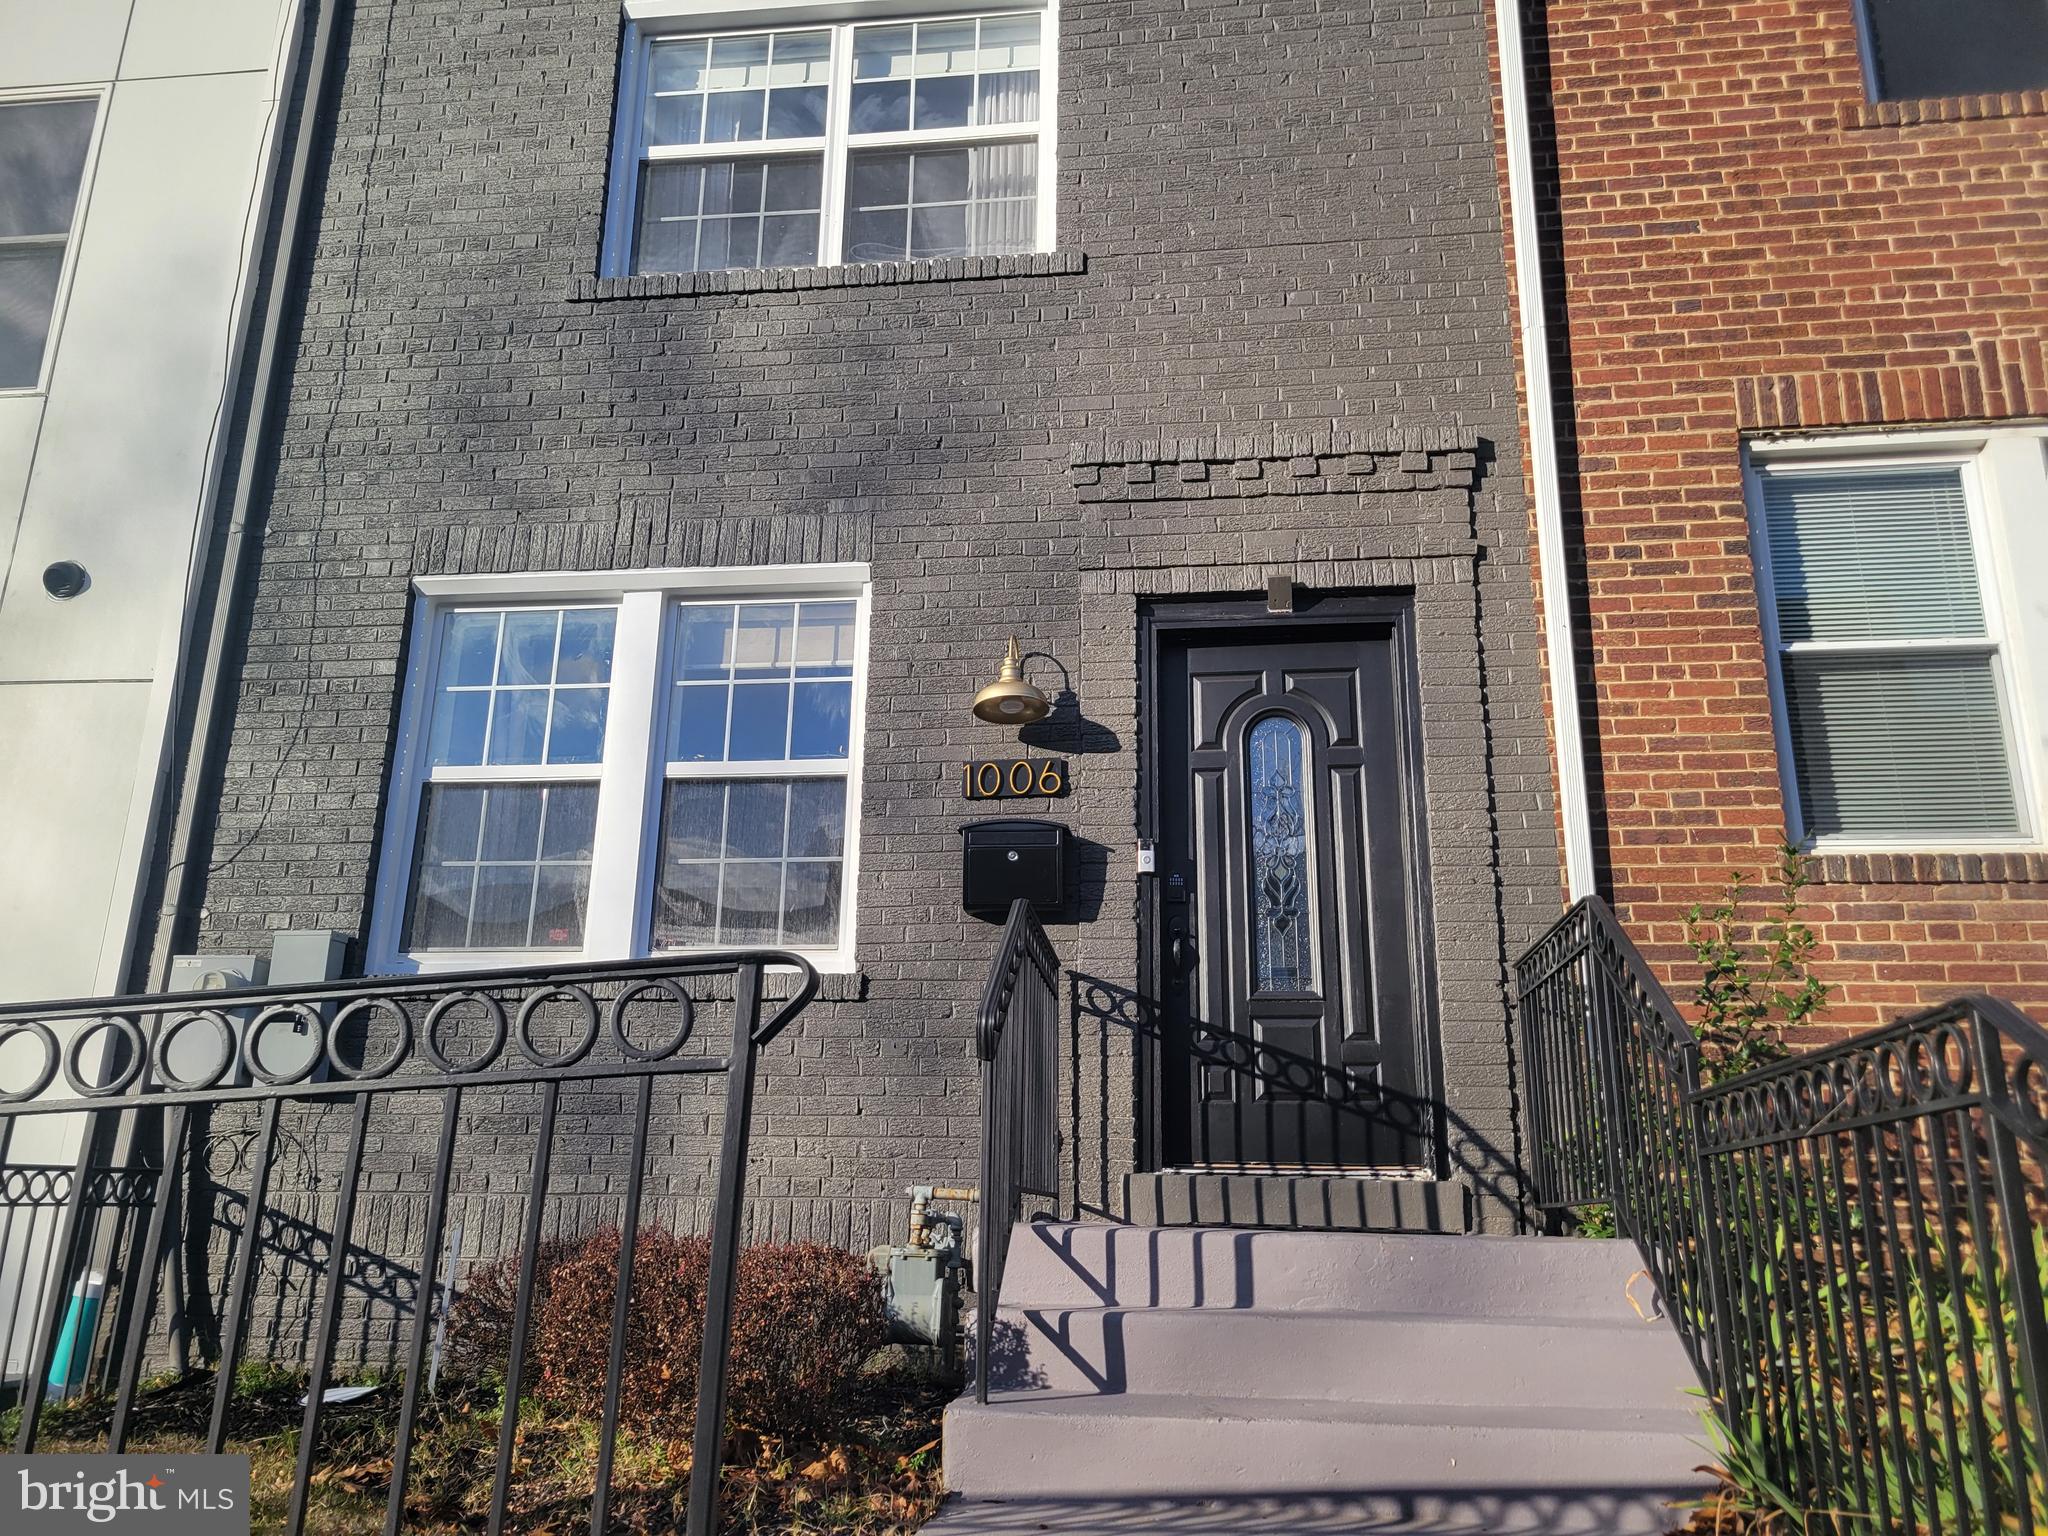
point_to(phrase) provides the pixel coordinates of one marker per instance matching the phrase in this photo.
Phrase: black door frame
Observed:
(1159, 619)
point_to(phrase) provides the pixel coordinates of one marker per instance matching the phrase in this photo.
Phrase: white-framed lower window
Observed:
(618, 764)
(800, 136)
(1902, 652)
(754, 802)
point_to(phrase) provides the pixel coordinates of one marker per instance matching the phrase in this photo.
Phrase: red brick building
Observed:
(1797, 263)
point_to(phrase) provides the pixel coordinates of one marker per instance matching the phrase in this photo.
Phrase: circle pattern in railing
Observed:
(173, 1027)
(494, 1018)
(21, 1185)
(130, 1061)
(46, 1072)
(301, 1018)
(1927, 1066)
(686, 1020)
(461, 1031)
(579, 1047)
(26, 1185)
(2029, 1080)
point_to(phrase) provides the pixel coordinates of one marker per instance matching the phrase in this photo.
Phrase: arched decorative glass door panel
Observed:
(1283, 936)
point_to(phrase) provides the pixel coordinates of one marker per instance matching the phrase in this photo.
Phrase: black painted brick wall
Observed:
(1274, 215)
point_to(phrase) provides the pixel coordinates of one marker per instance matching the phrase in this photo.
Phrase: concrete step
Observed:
(1328, 1356)
(1055, 1266)
(1035, 1444)
(1304, 1202)
(1421, 1383)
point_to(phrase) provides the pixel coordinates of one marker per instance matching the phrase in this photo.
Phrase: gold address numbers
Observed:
(1022, 778)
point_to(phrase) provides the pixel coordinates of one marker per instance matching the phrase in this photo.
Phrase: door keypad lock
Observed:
(1179, 951)
(1177, 947)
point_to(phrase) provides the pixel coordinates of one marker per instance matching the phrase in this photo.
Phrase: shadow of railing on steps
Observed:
(1468, 1154)
(1410, 1511)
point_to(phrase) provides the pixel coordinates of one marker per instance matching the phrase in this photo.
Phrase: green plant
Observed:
(1747, 1468)
(1595, 1220)
(264, 1378)
(1755, 984)
(1936, 1357)
(1750, 1501)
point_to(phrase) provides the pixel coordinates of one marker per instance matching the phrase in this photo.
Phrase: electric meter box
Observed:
(1007, 858)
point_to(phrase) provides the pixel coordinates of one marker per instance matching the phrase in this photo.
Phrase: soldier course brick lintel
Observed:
(2002, 378)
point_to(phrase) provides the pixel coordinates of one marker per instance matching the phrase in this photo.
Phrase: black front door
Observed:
(1286, 954)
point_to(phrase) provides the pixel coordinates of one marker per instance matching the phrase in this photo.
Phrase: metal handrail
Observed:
(1018, 1045)
(631, 1023)
(1849, 1242)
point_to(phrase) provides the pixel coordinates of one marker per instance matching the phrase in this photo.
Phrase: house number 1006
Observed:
(1021, 779)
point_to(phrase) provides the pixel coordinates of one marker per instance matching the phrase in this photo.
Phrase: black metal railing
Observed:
(466, 1081)
(32, 1201)
(1018, 1043)
(1852, 1243)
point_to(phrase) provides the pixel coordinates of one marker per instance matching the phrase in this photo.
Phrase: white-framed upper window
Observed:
(1903, 654)
(45, 143)
(811, 143)
(605, 766)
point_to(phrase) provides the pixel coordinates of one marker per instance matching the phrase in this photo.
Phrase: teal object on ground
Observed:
(74, 1340)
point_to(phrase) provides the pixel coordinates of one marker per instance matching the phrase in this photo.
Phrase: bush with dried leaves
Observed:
(805, 1319)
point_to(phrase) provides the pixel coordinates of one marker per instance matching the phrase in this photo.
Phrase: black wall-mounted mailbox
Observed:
(1005, 858)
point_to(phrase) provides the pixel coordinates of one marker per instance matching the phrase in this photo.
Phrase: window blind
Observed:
(1872, 555)
(1892, 702)
(1894, 748)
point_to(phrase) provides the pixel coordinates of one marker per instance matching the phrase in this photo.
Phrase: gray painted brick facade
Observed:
(1274, 338)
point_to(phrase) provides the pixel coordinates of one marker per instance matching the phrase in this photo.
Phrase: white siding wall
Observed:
(111, 464)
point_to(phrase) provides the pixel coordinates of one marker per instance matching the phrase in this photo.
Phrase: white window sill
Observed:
(864, 274)
(458, 962)
(840, 980)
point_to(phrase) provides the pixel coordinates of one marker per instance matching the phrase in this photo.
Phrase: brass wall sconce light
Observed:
(1009, 700)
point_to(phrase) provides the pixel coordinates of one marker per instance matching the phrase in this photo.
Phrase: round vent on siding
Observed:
(65, 578)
